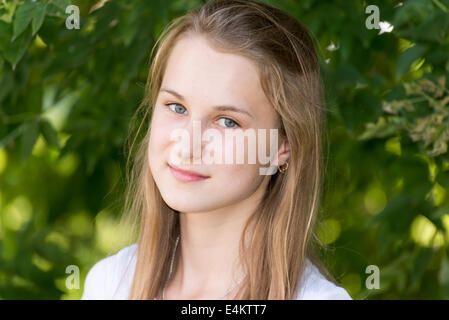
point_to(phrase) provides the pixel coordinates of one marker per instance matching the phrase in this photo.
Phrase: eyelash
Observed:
(236, 123)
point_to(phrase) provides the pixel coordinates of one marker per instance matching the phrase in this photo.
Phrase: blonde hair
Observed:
(284, 221)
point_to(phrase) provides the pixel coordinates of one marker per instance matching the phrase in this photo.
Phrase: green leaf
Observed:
(49, 133)
(383, 128)
(443, 273)
(12, 135)
(38, 17)
(61, 4)
(57, 8)
(407, 57)
(435, 28)
(13, 51)
(420, 264)
(5, 32)
(6, 83)
(29, 138)
(23, 17)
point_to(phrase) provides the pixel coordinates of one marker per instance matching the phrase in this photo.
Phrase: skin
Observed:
(212, 211)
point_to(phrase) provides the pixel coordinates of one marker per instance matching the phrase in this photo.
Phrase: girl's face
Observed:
(196, 82)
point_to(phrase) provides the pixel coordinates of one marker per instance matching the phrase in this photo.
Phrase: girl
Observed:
(225, 230)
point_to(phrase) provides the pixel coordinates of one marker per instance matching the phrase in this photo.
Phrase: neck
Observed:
(208, 250)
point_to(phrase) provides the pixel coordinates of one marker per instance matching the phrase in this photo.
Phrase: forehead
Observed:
(202, 74)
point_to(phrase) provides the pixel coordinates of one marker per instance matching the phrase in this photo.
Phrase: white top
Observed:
(111, 279)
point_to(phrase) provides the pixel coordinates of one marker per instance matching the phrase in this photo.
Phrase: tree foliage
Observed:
(67, 97)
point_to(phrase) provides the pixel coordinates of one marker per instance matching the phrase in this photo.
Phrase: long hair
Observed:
(284, 221)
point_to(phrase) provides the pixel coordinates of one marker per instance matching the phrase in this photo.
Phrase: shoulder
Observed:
(111, 277)
(316, 287)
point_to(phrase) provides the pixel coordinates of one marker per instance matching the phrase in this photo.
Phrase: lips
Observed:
(186, 175)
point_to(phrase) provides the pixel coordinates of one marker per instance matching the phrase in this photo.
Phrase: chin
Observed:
(182, 207)
(187, 204)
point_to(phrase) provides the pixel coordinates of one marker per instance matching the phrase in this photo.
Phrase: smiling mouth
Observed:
(186, 176)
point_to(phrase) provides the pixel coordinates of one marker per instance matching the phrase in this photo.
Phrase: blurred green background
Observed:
(66, 101)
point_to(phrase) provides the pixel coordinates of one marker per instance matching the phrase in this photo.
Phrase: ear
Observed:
(284, 153)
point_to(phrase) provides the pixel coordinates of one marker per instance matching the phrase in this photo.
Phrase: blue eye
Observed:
(177, 109)
(229, 121)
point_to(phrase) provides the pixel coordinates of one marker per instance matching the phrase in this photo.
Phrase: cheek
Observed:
(241, 173)
(237, 182)
(160, 131)
(158, 141)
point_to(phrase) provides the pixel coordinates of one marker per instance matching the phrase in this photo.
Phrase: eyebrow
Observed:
(220, 108)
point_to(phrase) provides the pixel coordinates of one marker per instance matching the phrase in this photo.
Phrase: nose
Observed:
(191, 143)
(196, 129)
